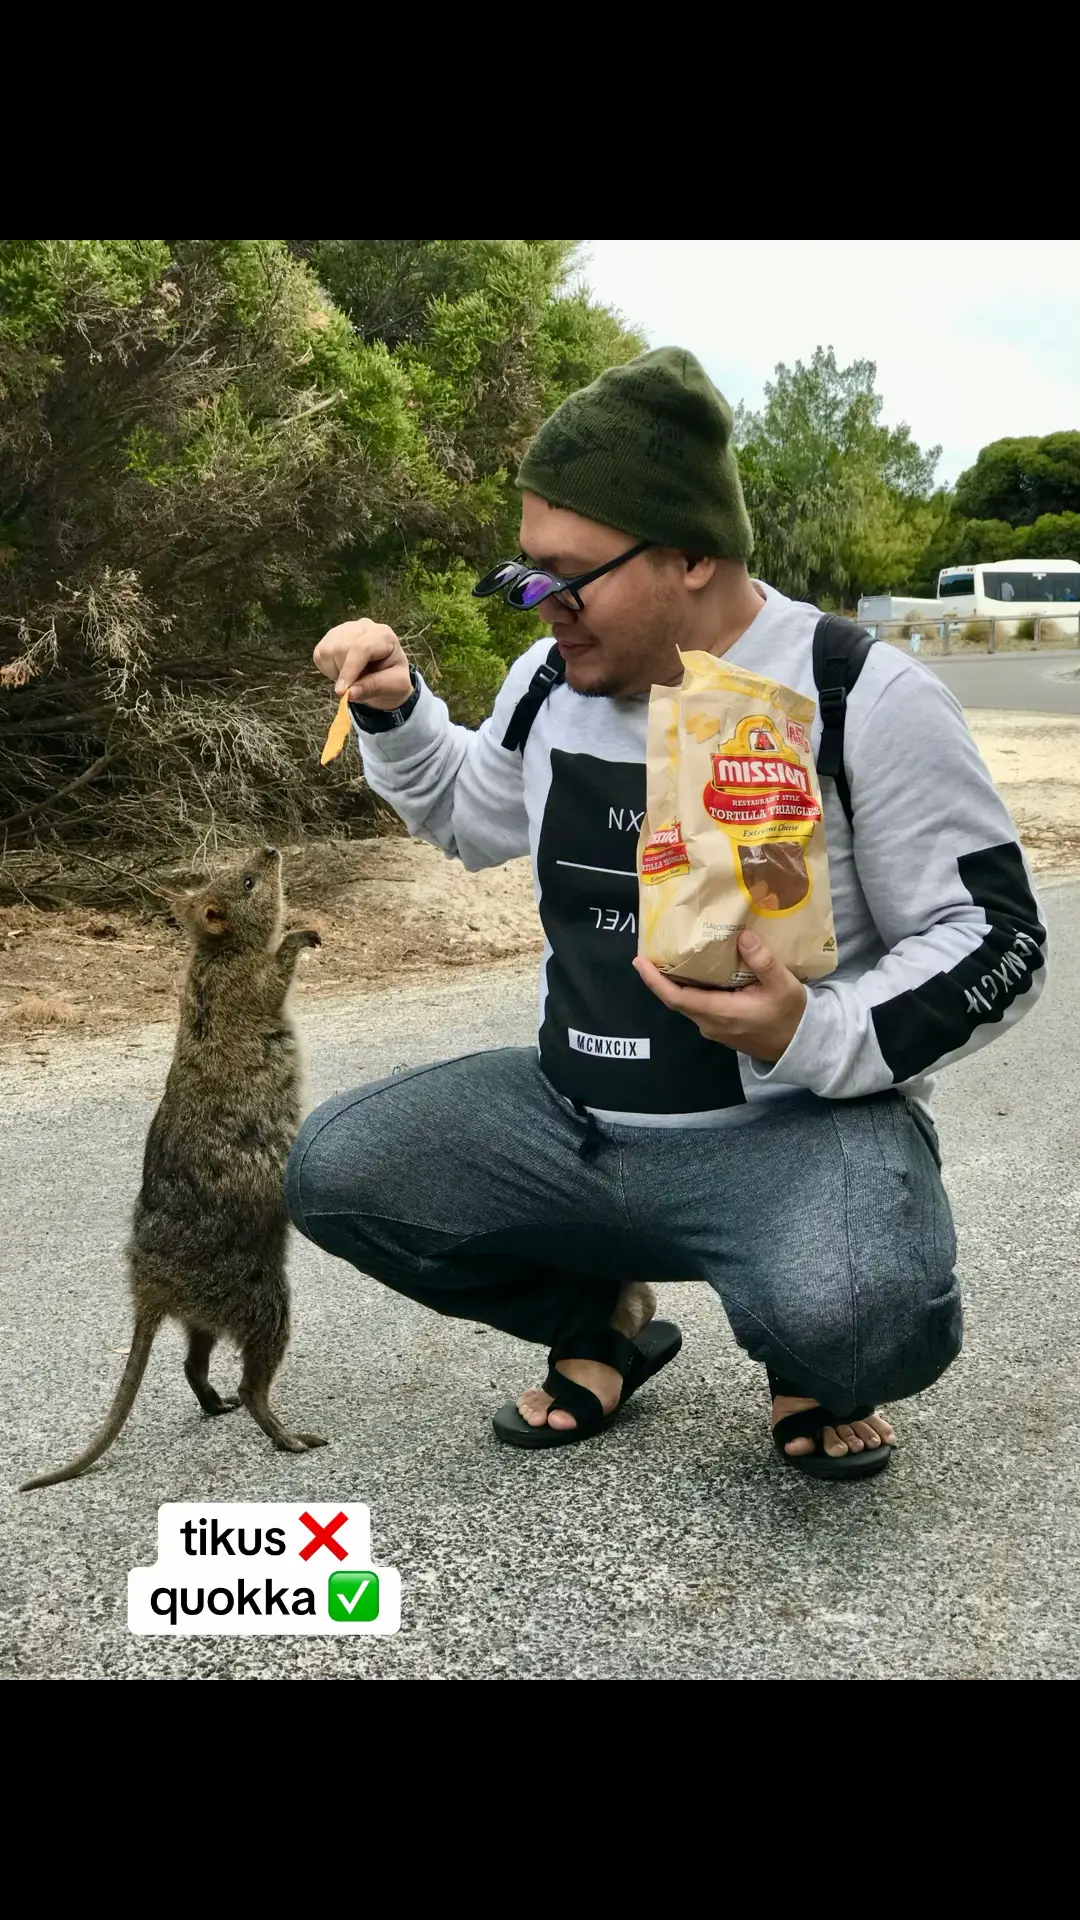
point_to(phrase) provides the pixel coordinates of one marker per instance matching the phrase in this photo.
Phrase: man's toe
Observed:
(869, 1435)
(803, 1445)
(561, 1420)
(834, 1443)
(533, 1406)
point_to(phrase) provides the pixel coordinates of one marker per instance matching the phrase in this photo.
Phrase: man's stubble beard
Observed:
(594, 693)
(616, 689)
(660, 628)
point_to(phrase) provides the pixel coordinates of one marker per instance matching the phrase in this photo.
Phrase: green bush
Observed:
(210, 451)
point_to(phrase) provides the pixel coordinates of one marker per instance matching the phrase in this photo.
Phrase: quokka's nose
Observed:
(271, 853)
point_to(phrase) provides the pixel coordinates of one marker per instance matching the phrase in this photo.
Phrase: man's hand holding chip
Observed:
(367, 661)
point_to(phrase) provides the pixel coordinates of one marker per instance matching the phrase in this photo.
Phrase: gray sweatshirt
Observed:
(939, 936)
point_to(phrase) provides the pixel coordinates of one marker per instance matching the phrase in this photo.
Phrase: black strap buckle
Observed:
(546, 677)
(832, 700)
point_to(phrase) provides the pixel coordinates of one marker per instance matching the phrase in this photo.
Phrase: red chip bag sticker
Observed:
(663, 855)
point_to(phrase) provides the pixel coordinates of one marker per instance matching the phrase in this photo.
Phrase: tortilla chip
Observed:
(339, 732)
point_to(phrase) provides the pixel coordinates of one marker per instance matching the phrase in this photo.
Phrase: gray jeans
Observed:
(823, 1226)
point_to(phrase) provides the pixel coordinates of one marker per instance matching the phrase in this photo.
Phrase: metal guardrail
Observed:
(897, 632)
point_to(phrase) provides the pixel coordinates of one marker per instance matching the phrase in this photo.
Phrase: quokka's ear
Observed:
(183, 908)
(213, 919)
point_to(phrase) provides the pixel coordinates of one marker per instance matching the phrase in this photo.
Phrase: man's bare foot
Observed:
(634, 1309)
(851, 1437)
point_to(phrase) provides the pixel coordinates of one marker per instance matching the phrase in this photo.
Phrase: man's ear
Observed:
(213, 919)
(699, 569)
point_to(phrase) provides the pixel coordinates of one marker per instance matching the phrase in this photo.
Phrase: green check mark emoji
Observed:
(353, 1596)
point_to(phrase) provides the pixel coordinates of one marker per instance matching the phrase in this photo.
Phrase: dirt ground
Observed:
(1034, 759)
(393, 911)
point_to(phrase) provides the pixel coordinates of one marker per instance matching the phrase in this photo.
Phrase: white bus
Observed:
(1012, 590)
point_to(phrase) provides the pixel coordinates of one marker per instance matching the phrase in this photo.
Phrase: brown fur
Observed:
(209, 1231)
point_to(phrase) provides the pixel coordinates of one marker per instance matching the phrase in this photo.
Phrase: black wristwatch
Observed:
(374, 720)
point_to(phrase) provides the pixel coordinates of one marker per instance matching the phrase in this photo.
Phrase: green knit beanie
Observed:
(647, 448)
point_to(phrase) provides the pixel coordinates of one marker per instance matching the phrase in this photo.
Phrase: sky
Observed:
(974, 340)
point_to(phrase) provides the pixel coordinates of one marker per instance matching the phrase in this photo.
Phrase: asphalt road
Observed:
(1042, 682)
(674, 1546)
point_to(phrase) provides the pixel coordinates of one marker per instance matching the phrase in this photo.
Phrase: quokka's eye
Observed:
(248, 882)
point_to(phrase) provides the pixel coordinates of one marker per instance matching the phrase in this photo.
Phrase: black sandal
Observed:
(810, 1424)
(637, 1360)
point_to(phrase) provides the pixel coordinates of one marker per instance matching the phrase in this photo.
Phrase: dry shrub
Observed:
(33, 1012)
(212, 451)
(179, 468)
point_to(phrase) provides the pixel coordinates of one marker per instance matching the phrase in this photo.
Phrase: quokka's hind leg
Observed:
(263, 1349)
(197, 1374)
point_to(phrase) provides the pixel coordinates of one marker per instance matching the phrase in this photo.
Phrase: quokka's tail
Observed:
(146, 1327)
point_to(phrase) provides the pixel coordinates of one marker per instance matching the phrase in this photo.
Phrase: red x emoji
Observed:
(322, 1536)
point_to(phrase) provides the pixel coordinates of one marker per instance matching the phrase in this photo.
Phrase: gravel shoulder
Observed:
(676, 1546)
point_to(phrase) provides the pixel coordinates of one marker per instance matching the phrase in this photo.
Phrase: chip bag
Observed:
(733, 834)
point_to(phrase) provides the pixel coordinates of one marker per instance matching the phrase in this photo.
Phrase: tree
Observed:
(837, 500)
(204, 461)
(944, 548)
(889, 548)
(492, 335)
(1019, 500)
(1018, 481)
(188, 436)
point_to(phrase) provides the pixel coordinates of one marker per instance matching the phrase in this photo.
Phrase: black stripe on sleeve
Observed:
(922, 1026)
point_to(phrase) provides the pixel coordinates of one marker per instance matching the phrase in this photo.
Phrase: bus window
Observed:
(952, 585)
(1040, 588)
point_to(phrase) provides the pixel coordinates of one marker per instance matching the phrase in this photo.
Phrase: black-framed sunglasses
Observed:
(524, 586)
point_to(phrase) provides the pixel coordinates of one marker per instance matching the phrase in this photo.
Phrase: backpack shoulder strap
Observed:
(541, 684)
(840, 647)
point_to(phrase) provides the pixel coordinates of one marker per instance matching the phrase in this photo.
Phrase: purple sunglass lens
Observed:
(499, 578)
(536, 588)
